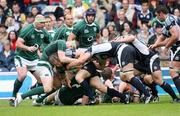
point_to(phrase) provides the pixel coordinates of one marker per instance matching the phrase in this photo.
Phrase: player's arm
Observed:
(173, 38)
(159, 42)
(20, 44)
(81, 60)
(126, 39)
(71, 37)
(63, 58)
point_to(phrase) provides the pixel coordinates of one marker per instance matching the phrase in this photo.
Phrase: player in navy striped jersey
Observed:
(170, 38)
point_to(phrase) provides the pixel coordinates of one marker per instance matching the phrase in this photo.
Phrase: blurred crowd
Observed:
(115, 18)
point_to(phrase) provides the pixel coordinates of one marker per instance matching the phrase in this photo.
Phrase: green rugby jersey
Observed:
(31, 37)
(52, 48)
(85, 33)
(62, 33)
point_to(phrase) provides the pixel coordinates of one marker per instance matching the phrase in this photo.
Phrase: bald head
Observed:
(39, 21)
(39, 18)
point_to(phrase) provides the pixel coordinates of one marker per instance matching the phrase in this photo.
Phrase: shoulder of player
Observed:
(170, 19)
(80, 23)
(27, 28)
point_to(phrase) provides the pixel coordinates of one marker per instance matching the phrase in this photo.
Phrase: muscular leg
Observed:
(128, 73)
(157, 77)
(174, 72)
(81, 77)
(22, 72)
(56, 84)
(151, 84)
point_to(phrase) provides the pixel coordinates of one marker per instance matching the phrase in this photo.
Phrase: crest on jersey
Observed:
(123, 63)
(155, 67)
(67, 33)
(33, 36)
(91, 38)
(95, 29)
(86, 31)
(176, 58)
(42, 35)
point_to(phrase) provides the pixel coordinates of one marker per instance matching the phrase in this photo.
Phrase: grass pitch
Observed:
(163, 108)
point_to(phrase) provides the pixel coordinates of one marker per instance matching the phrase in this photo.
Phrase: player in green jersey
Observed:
(28, 42)
(63, 32)
(87, 31)
(52, 57)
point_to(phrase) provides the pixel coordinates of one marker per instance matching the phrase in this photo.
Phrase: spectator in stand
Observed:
(6, 9)
(29, 20)
(171, 4)
(129, 12)
(19, 17)
(137, 7)
(39, 3)
(127, 29)
(2, 16)
(122, 19)
(63, 4)
(145, 15)
(3, 35)
(112, 31)
(143, 34)
(177, 12)
(153, 37)
(12, 37)
(53, 2)
(104, 35)
(11, 24)
(35, 10)
(100, 18)
(79, 9)
(7, 58)
(68, 10)
(153, 4)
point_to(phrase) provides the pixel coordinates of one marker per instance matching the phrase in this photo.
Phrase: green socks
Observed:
(36, 91)
(17, 86)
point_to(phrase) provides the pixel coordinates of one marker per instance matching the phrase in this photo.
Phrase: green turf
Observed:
(163, 108)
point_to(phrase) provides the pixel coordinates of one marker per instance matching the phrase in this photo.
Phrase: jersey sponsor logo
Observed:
(86, 31)
(91, 38)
